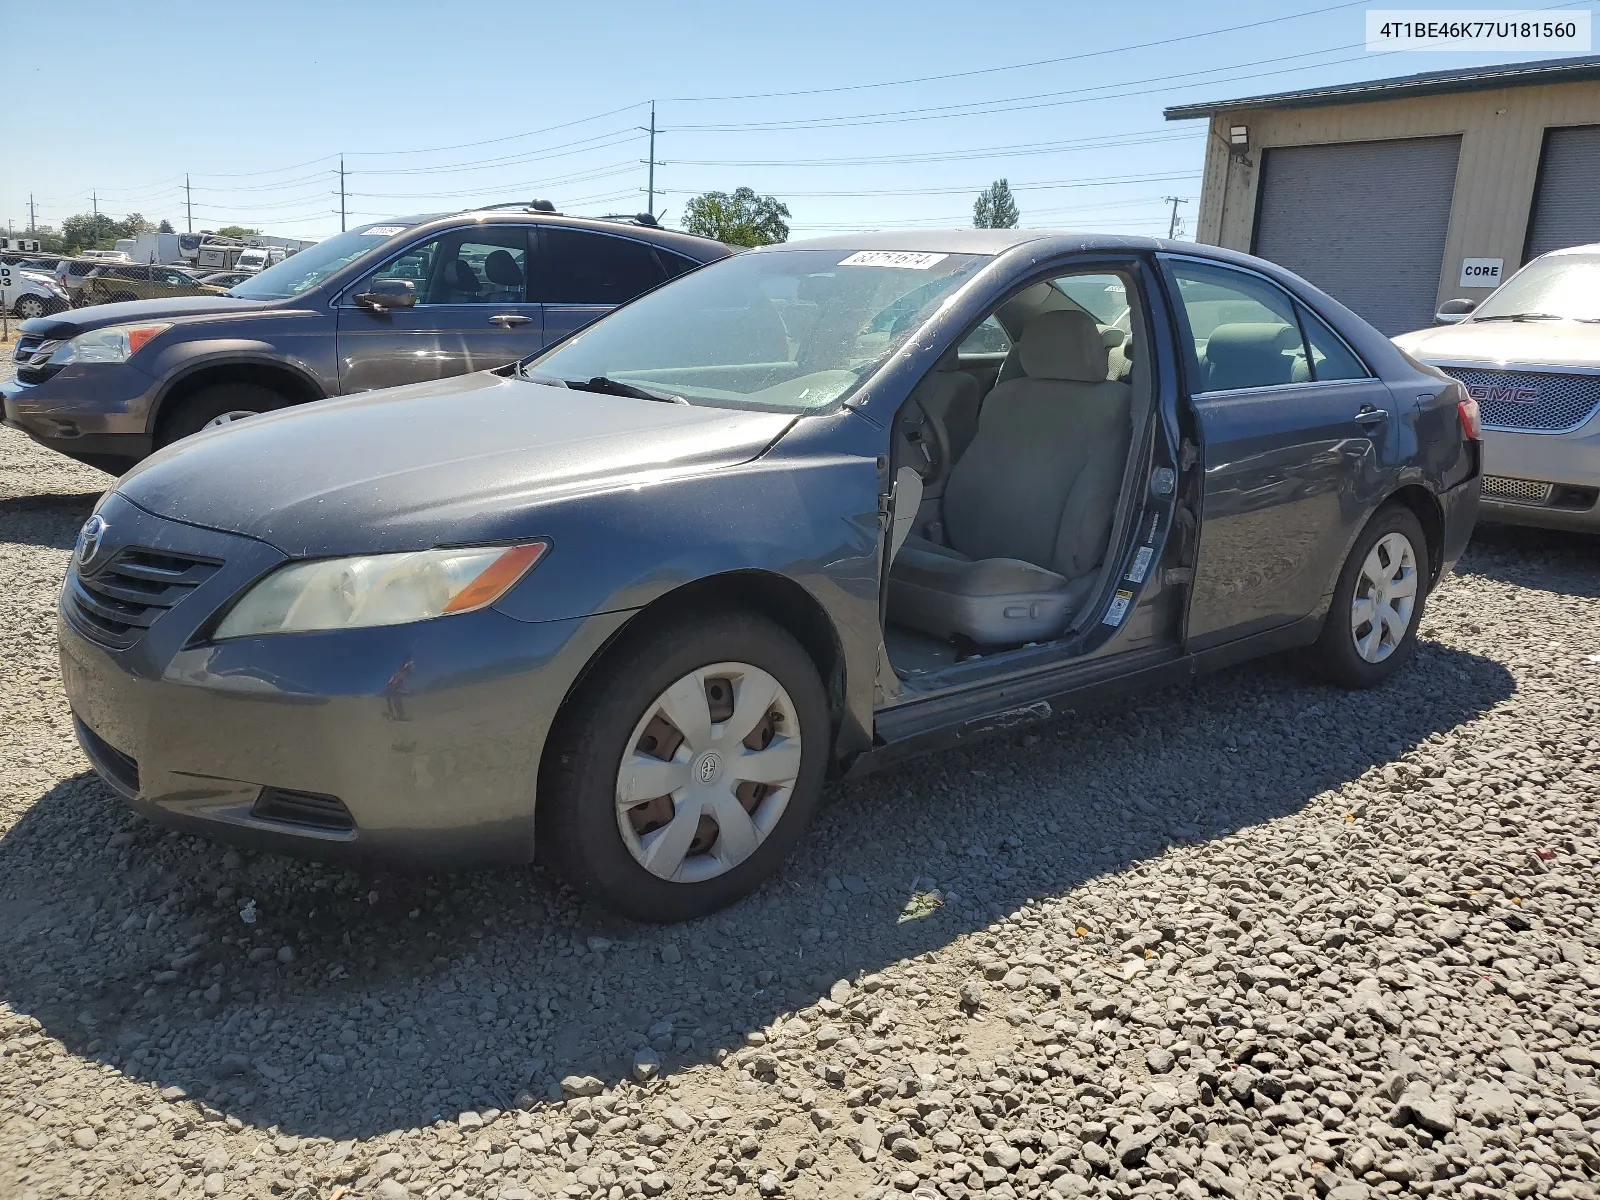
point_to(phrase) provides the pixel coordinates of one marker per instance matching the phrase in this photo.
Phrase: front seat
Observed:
(502, 271)
(464, 282)
(1028, 508)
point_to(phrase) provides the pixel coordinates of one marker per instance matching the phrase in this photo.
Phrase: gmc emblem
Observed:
(1499, 391)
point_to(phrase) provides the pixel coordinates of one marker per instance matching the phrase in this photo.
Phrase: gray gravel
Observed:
(1251, 938)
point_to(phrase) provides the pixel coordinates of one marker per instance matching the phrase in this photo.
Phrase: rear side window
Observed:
(1330, 357)
(577, 267)
(674, 264)
(1243, 332)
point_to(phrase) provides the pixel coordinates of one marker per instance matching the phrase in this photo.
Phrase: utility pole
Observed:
(341, 193)
(31, 228)
(650, 205)
(188, 200)
(95, 196)
(1172, 226)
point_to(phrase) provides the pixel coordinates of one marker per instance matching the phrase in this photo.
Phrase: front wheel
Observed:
(215, 406)
(1371, 628)
(28, 307)
(686, 768)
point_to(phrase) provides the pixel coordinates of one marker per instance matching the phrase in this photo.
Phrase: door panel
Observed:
(1292, 459)
(472, 312)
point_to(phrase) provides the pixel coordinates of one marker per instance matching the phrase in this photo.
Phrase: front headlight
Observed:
(379, 589)
(113, 344)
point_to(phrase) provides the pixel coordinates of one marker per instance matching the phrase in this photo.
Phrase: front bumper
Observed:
(428, 735)
(1568, 462)
(100, 409)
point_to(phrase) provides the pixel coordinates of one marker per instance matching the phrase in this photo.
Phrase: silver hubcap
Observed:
(228, 418)
(1385, 595)
(30, 308)
(708, 772)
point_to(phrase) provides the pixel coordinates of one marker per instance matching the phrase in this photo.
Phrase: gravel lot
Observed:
(1251, 938)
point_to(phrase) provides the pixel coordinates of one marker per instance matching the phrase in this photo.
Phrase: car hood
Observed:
(1498, 343)
(98, 316)
(461, 460)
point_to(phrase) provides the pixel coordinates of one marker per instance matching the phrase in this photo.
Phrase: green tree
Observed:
(165, 227)
(133, 225)
(238, 231)
(87, 231)
(740, 219)
(995, 208)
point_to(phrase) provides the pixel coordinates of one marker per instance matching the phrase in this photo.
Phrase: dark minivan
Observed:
(407, 301)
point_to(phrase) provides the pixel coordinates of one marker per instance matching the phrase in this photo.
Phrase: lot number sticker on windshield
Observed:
(383, 230)
(910, 259)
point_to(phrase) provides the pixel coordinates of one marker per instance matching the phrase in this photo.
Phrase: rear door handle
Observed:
(1368, 415)
(507, 320)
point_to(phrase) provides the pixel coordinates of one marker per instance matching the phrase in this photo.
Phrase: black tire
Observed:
(29, 307)
(194, 412)
(578, 830)
(1335, 655)
(123, 298)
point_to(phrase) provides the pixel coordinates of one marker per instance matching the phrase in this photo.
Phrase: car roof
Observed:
(701, 248)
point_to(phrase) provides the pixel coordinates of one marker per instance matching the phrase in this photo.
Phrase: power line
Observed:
(1016, 150)
(1042, 62)
(1007, 104)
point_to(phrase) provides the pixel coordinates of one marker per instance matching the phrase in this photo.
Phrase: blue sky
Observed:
(435, 107)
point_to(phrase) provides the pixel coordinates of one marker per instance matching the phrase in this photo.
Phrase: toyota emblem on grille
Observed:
(89, 539)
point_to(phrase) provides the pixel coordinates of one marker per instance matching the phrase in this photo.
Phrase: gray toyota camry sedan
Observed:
(627, 604)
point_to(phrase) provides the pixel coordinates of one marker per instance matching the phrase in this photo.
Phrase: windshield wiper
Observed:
(1528, 316)
(615, 387)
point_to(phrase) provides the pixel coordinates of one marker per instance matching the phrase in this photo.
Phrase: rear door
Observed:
(583, 274)
(1296, 437)
(472, 312)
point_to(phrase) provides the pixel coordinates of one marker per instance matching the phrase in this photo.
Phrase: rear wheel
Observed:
(1371, 628)
(214, 406)
(686, 768)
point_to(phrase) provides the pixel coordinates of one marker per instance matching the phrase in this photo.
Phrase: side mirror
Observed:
(1453, 312)
(383, 294)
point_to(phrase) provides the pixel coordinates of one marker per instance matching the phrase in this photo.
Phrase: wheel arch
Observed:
(765, 593)
(1424, 505)
(280, 376)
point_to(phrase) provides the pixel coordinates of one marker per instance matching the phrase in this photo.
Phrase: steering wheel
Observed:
(932, 440)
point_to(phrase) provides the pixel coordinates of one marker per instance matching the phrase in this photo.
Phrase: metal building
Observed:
(1395, 195)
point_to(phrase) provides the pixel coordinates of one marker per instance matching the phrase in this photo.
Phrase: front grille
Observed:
(32, 357)
(302, 808)
(121, 770)
(1531, 401)
(117, 602)
(1516, 491)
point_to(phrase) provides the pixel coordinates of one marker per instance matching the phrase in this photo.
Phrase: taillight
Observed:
(1471, 421)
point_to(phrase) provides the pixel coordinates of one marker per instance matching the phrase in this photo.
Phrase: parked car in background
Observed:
(1530, 355)
(28, 294)
(224, 279)
(118, 283)
(629, 603)
(418, 298)
(105, 256)
(72, 274)
(258, 258)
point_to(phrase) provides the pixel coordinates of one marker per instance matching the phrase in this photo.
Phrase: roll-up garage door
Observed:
(1566, 206)
(1364, 221)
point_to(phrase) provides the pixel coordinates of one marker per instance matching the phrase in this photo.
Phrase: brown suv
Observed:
(116, 282)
